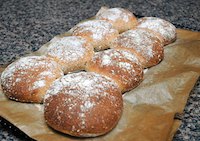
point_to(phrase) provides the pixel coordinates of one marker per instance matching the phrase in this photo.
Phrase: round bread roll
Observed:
(142, 42)
(83, 104)
(98, 32)
(164, 28)
(70, 52)
(121, 66)
(120, 18)
(28, 79)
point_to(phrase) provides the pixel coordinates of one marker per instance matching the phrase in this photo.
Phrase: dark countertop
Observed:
(25, 25)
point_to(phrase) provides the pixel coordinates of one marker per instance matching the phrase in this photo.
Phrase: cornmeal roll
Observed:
(121, 66)
(97, 32)
(28, 79)
(142, 42)
(84, 104)
(120, 18)
(70, 52)
(162, 27)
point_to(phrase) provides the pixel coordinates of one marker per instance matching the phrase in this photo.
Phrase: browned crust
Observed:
(165, 41)
(20, 91)
(119, 23)
(127, 80)
(157, 47)
(77, 65)
(97, 44)
(99, 120)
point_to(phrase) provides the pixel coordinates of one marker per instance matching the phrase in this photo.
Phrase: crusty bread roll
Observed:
(120, 18)
(70, 52)
(163, 27)
(83, 104)
(146, 45)
(121, 66)
(28, 79)
(98, 32)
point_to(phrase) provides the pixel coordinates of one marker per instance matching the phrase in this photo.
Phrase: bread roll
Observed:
(70, 52)
(164, 28)
(121, 66)
(98, 32)
(28, 79)
(83, 104)
(120, 18)
(142, 42)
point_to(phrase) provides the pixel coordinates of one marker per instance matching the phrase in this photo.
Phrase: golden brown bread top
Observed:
(146, 45)
(120, 65)
(83, 104)
(98, 32)
(120, 18)
(161, 26)
(70, 48)
(71, 52)
(28, 78)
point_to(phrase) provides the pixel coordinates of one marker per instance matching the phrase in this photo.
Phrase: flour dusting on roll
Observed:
(162, 27)
(98, 32)
(28, 79)
(120, 18)
(142, 42)
(84, 104)
(121, 66)
(70, 52)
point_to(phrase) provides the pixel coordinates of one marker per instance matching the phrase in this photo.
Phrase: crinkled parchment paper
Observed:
(149, 109)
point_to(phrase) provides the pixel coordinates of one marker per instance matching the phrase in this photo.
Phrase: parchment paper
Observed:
(149, 109)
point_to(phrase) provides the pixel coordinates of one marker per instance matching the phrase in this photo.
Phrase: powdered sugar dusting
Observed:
(165, 28)
(106, 60)
(82, 85)
(114, 14)
(87, 105)
(117, 64)
(139, 40)
(130, 56)
(98, 28)
(25, 70)
(38, 84)
(125, 65)
(116, 58)
(18, 79)
(46, 73)
(85, 87)
(67, 48)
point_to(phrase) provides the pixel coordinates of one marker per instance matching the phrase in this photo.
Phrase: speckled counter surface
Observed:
(25, 25)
